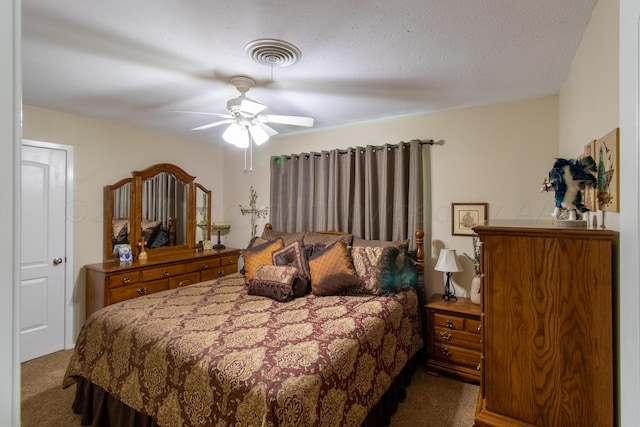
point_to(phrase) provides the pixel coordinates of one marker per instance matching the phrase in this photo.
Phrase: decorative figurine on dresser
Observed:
(153, 215)
(547, 325)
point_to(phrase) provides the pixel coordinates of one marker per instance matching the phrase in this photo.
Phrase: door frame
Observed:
(68, 245)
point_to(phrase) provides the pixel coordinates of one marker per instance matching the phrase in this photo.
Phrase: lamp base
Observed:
(219, 245)
(449, 290)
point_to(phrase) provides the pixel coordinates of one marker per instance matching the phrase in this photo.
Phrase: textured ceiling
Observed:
(133, 62)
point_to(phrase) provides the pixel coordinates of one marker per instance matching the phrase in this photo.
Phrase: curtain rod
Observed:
(375, 148)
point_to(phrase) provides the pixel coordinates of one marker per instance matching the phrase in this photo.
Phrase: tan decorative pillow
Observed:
(258, 255)
(332, 271)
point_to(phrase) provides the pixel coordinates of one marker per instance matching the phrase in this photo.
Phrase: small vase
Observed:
(142, 256)
(476, 295)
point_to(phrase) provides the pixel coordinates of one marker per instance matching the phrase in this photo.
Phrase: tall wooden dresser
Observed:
(548, 330)
(111, 282)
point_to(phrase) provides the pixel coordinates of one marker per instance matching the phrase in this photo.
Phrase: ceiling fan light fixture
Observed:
(259, 135)
(237, 135)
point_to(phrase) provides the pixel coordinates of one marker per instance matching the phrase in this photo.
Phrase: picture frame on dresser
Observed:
(465, 216)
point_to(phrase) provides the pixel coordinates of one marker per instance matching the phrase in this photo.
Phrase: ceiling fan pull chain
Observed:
(250, 154)
(245, 160)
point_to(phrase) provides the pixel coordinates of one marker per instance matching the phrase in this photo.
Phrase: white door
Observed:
(42, 286)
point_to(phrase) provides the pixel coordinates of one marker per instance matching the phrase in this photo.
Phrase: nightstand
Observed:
(455, 337)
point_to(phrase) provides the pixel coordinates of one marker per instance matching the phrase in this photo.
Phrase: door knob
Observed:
(57, 261)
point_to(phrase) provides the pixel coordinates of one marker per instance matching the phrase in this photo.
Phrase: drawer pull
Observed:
(220, 273)
(230, 261)
(479, 327)
(141, 291)
(445, 336)
(184, 282)
(126, 281)
(445, 350)
(166, 274)
(205, 266)
(478, 367)
(449, 324)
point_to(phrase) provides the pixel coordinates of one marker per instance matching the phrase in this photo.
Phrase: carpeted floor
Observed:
(431, 401)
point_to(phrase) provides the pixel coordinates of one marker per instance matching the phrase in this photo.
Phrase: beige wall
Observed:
(589, 100)
(497, 154)
(104, 153)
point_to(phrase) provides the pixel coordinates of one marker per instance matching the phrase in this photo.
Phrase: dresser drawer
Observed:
(229, 260)
(456, 355)
(184, 280)
(163, 272)
(123, 279)
(218, 272)
(123, 293)
(459, 338)
(204, 264)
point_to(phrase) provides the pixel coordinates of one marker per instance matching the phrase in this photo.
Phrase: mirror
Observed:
(161, 206)
(118, 201)
(203, 214)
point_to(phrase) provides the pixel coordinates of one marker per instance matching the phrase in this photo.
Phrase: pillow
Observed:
(120, 228)
(268, 234)
(158, 238)
(294, 255)
(402, 245)
(150, 230)
(258, 255)
(312, 238)
(277, 282)
(376, 267)
(332, 271)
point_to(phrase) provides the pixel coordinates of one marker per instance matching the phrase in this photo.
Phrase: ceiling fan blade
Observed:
(223, 115)
(269, 130)
(260, 133)
(251, 107)
(287, 120)
(214, 124)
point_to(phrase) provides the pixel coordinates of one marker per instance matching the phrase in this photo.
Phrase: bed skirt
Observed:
(99, 409)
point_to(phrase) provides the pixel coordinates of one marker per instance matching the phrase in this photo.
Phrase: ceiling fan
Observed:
(246, 120)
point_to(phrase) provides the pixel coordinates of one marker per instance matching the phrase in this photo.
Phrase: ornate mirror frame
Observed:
(136, 217)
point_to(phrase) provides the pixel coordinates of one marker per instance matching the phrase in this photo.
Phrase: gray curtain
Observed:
(121, 201)
(372, 192)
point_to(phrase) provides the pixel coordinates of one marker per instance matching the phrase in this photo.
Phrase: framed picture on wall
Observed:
(465, 216)
(608, 177)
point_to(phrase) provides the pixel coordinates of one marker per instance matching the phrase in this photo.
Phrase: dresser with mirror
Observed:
(161, 216)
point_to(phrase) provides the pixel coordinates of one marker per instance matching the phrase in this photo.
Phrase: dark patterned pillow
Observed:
(294, 255)
(376, 267)
(332, 271)
(258, 255)
(120, 229)
(276, 282)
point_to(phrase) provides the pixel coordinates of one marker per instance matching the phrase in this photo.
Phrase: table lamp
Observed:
(448, 263)
(219, 227)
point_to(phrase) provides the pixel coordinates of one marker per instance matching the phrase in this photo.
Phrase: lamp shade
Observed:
(448, 261)
(220, 226)
(237, 135)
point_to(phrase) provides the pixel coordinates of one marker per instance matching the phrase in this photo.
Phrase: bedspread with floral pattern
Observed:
(209, 354)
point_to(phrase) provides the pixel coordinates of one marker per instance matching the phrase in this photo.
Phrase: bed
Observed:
(228, 353)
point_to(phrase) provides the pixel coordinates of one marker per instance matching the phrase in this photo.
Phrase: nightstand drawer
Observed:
(456, 355)
(474, 326)
(447, 321)
(460, 338)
